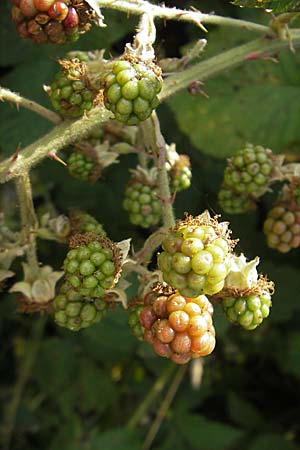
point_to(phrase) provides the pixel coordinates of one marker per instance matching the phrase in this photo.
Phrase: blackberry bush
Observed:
(131, 90)
(195, 257)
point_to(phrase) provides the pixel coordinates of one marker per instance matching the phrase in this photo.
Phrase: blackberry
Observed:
(179, 328)
(249, 170)
(54, 21)
(80, 166)
(70, 97)
(91, 266)
(234, 203)
(141, 199)
(81, 222)
(247, 311)
(195, 257)
(131, 89)
(75, 312)
(181, 174)
(134, 321)
(282, 227)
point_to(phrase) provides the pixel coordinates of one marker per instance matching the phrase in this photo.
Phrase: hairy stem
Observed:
(154, 392)
(28, 220)
(61, 136)
(151, 244)
(13, 97)
(140, 7)
(163, 409)
(227, 60)
(69, 132)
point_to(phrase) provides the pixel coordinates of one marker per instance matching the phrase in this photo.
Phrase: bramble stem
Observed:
(69, 132)
(227, 60)
(13, 97)
(151, 396)
(140, 7)
(28, 220)
(163, 409)
(61, 136)
(151, 244)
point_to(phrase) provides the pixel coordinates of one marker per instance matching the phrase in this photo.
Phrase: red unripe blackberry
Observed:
(182, 329)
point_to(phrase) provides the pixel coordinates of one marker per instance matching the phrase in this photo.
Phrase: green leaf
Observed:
(116, 439)
(277, 6)
(271, 441)
(258, 103)
(243, 413)
(207, 434)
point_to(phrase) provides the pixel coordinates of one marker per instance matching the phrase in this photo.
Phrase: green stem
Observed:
(226, 60)
(154, 392)
(68, 132)
(163, 409)
(28, 220)
(140, 7)
(61, 136)
(24, 375)
(151, 244)
(13, 97)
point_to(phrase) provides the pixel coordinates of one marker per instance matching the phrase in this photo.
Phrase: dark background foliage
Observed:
(65, 391)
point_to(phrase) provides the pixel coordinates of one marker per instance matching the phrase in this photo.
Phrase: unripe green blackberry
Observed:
(92, 265)
(282, 227)
(247, 311)
(234, 203)
(141, 199)
(55, 21)
(75, 312)
(195, 257)
(134, 321)
(179, 328)
(81, 222)
(181, 174)
(131, 89)
(249, 170)
(80, 166)
(70, 97)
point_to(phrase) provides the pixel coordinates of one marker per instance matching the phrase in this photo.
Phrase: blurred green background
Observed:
(69, 391)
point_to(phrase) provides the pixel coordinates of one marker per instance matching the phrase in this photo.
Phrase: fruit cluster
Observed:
(55, 21)
(131, 89)
(282, 228)
(90, 266)
(81, 222)
(181, 174)
(234, 203)
(136, 327)
(179, 328)
(195, 256)
(75, 312)
(248, 311)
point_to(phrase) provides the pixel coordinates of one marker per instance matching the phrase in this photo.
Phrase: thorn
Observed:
(16, 154)
(54, 156)
(264, 57)
(195, 87)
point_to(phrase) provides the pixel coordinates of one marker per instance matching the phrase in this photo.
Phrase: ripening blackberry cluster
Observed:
(179, 328)
(131, 89)
(234, 203)
(282, 228)
(55, 21)
(181, 174)
(195, 259)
